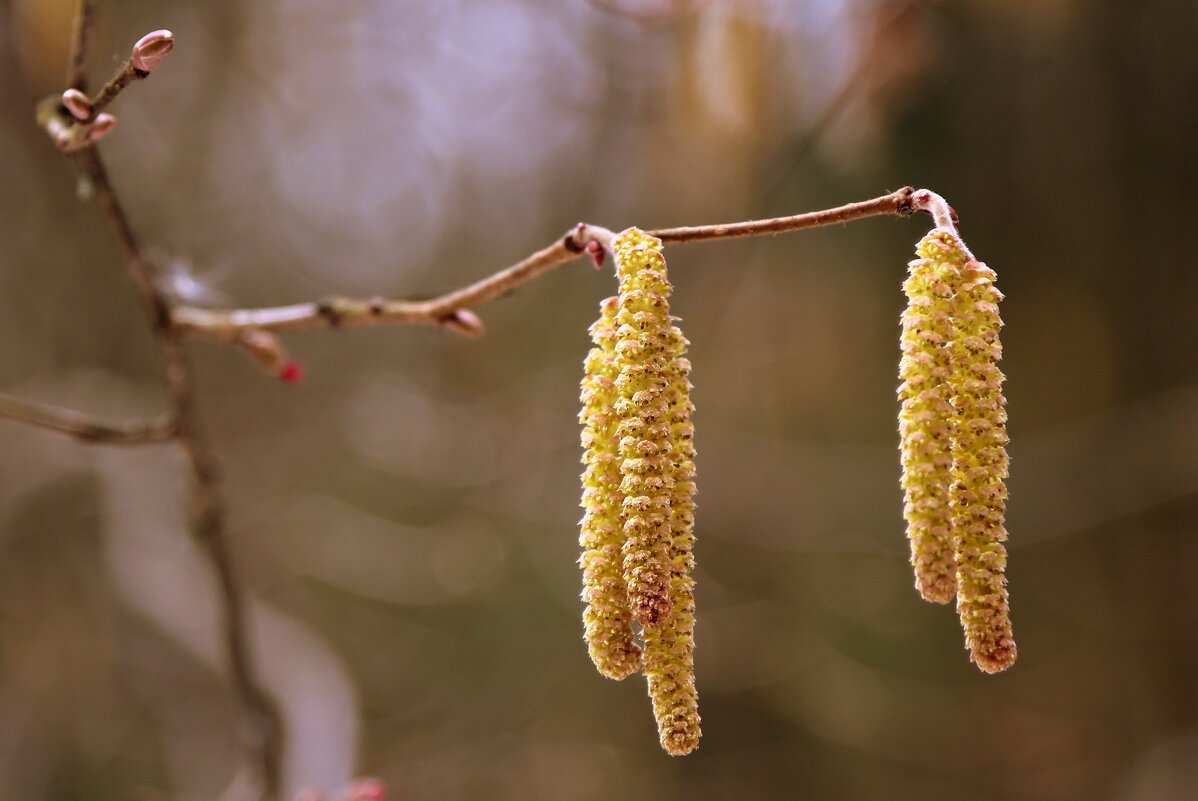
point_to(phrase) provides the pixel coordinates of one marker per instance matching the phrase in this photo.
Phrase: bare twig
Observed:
(147, 54)
(898, 202)
(262, 730)
(447, 310)
(84, 428)
(81, 39)
(126, 75)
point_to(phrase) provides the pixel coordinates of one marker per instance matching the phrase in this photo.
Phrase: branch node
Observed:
(327, 309)
(942, 213)
(570, 240)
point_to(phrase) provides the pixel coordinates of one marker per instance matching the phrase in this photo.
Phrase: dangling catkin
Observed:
(656, 449)
(926, 418)
(607, 619)
(980, 465)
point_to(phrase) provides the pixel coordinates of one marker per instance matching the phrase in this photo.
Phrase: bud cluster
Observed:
(638, 488)
(952, 427)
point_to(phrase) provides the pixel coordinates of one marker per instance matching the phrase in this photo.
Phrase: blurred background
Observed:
(405, 518)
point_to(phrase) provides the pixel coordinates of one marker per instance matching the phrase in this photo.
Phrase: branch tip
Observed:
(150, 49)
(942, 213)
(570, 241)
(291, 372)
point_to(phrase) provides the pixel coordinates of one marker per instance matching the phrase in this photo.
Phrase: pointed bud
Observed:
(464, 322)
(151, 49)
(291, 372)
(78, 104)
(596, 254)
(101, 127)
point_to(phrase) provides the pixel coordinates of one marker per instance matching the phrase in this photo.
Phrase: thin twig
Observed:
(124, 76)
(81, 39)
(263, 731)
(898, 202)
(147, 54)
(342, 312)
(84, 428)
(446, 311)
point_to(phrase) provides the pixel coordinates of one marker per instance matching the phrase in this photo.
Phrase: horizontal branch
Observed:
(452, 310)
(84, 428)
(898, 202)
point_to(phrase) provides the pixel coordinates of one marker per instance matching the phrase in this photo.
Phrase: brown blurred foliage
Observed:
(405, 517)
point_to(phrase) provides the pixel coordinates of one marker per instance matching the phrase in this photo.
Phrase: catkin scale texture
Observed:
(638, 532)
(925, 424)
(953, 437)
(980, 467)
(607, 619)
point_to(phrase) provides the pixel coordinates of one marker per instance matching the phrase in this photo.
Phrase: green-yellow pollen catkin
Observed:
(643, 350)
(670, 645)
(926, 416)
(656, 445)
(607, 618)
(980, 467)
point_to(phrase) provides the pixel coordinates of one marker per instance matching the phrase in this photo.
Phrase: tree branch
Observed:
(84, 428)
(262, 732)
(451, 309)
(898, 202)
(81, 39)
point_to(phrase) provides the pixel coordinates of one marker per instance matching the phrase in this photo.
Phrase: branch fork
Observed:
(73, 120)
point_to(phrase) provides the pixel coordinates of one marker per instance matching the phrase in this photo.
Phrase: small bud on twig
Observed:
(464, 322)
(291, 372)
(102, 126)
(596, 254)
(151, 49)
(78, 104)
(270, 354)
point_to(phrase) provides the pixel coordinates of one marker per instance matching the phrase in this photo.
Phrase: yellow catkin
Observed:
(644, 353)
(926, 416)
(670, 645)
(607, 619)
(980, 467)
(656, 445)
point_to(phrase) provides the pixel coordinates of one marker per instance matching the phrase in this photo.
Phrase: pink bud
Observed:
(596, 254)
(151, 49)
(103, 124)
(366, 790)
(77, 103)
(465, 322)
(291, 372)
